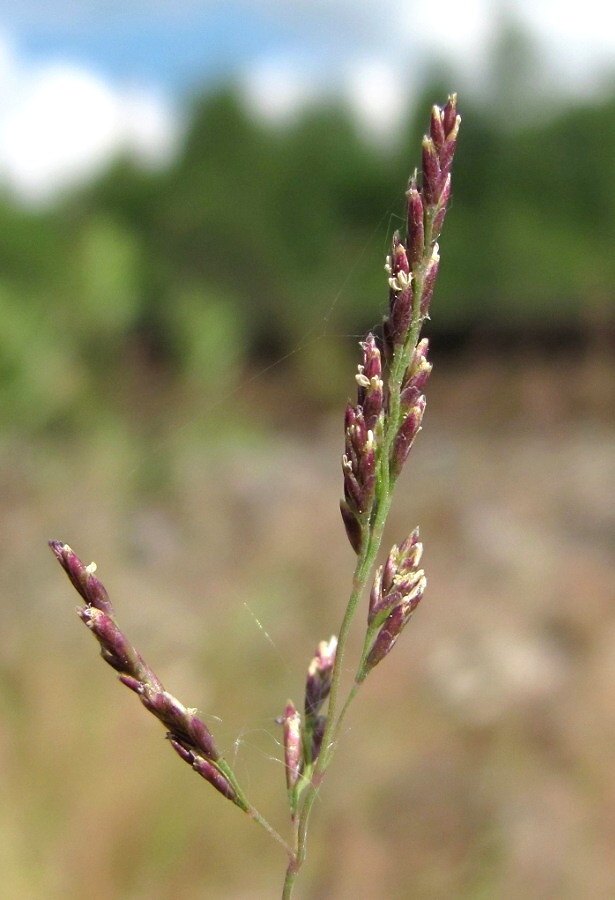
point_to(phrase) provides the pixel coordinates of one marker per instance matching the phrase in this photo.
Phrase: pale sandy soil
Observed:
(479, 761)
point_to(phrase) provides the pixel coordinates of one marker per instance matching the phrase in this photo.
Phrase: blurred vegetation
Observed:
(258, 239)
(148, 295)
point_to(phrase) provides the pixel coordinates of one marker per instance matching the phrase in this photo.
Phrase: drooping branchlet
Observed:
(115, 648)
(183, 723)
(82, 577)
(184, 729)
(206, 770)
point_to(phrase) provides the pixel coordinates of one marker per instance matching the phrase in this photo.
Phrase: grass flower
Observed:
(380, 428)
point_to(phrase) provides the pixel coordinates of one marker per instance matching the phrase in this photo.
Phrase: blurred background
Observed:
(196, 201)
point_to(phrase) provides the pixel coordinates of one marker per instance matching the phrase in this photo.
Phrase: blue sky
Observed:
(174, 52)
(178, 42)
(139, 59)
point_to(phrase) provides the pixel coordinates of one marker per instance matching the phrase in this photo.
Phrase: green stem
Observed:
(243, 803)
(262, 821)
(352, 693)
(364, 564)
(363, 569)
(291, 876)
(378, 517)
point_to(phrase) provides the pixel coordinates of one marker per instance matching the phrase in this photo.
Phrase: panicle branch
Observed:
(397, 591)
(303, 739)
(381, 426)
(188, 735)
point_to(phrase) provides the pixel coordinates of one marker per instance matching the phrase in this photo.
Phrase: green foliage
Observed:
(258, 240)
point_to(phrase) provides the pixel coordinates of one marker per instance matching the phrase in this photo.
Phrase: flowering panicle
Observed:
(188, 735)
(379, 430)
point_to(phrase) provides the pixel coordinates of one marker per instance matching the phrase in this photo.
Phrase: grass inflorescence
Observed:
(380, 429)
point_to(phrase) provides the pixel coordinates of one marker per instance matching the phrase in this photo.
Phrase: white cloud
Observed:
(378, 94)
(277, 88)
(458, 30)
(60, 124)
(579, 40)
(351, 48)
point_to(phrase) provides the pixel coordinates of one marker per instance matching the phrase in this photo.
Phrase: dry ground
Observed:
(479, 761)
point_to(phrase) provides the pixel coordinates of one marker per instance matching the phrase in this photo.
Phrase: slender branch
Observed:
(262, 821)
(188, 735)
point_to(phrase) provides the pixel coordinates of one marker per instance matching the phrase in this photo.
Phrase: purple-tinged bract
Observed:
(318, 681)
(291, 733)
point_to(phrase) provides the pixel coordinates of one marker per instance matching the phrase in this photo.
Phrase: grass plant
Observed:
(380, 429)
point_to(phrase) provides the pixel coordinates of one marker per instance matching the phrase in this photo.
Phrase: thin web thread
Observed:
(316, 332)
